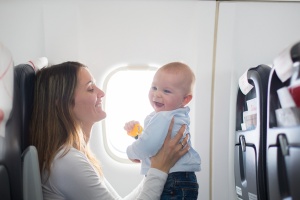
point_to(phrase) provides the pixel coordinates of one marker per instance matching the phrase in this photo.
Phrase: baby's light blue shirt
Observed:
(152, 138)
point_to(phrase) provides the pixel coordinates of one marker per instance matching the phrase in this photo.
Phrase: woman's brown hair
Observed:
(53, 126)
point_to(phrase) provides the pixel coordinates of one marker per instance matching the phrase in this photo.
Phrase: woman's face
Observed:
(88, 99)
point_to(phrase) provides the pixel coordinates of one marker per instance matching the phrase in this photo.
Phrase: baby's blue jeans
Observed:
(180, 186)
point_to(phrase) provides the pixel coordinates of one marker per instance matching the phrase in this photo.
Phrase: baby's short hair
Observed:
(184, 70)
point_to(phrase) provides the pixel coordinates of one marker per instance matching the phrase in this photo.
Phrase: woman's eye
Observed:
(91, 89)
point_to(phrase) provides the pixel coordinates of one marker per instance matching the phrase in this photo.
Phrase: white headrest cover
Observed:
(38, 63)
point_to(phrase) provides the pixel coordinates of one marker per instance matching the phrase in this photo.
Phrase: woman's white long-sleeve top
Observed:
(73, 177)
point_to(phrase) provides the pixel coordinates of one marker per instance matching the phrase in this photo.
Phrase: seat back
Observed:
(10, 152)
(24, 85)
(24, 76)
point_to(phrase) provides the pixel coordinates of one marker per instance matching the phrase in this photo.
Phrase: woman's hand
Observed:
(171, 150)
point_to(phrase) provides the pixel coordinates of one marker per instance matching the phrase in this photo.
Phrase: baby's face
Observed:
(167, 91)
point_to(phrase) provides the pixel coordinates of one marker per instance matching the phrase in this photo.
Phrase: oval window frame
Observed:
(106, 141)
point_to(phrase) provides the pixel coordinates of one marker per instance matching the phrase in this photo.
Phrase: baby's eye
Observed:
(154, 88)
(167, 91)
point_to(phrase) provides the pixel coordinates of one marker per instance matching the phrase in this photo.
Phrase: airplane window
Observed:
(126, 98)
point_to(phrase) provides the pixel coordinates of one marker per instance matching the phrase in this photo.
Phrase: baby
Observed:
(170, 92)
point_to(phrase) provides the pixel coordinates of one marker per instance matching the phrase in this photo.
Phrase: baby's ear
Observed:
(187, 99)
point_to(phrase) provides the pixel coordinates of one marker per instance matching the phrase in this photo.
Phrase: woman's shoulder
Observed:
(72, 176)
(66, 154)
(65, 160)
(69, 163)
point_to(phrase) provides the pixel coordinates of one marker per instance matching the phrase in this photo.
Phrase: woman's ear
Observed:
(187, 99)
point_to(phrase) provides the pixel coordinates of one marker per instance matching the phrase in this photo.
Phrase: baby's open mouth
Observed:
(158, 104)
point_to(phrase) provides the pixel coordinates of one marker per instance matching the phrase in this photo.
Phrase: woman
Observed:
(67, 103)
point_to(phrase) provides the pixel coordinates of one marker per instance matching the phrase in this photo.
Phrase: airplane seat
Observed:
(19, 172)
(24, 86)
(10, 152)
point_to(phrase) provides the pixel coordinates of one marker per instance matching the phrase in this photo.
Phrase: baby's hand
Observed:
(130, 125)
(135, 160)
(133, 128)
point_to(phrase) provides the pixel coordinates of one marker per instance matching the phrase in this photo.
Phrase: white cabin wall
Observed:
(107, 34)
(21, 29)
(249, 34)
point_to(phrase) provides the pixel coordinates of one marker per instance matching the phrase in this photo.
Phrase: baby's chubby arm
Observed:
(152, 137)
(129, 128)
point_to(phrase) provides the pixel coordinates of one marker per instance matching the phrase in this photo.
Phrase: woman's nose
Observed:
(100, 93)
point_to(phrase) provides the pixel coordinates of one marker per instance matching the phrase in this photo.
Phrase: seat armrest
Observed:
(32, 187)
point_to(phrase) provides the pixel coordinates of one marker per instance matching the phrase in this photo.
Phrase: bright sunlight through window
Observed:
(126, 98)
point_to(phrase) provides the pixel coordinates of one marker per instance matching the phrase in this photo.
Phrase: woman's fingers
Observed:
(168, 138)
(184, 142)
(185, 147)
(171, 151)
